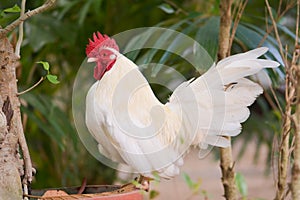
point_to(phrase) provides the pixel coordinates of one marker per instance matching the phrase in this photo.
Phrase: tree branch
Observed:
(48, 4)
(276, 32)
(296, 166)
(21, 30)
(225, 25)
(290, 91)
(226, 160)
(8, 59)
(279, 15)
(32, 87)
(240, 11)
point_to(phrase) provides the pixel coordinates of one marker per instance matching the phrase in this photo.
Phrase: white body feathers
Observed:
(133, 127)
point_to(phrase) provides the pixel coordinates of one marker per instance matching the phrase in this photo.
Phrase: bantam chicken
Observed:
(131, 126)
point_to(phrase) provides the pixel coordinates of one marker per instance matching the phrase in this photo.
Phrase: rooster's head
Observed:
(100, 51)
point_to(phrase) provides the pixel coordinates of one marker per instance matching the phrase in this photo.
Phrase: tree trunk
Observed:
(295, 186)
(284, 154)
(12, 138)
(11, 165)
(228, 175)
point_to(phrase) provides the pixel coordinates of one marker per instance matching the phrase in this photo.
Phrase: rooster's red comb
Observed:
(100, 40)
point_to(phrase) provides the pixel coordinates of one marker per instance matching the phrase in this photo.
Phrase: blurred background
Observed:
(59, 36)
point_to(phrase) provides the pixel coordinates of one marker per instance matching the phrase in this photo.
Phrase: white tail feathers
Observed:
(223, 95)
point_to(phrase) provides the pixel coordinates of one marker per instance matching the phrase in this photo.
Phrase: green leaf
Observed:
(84, 11)
(38, 35)
(53, 30)
(67, 7)
(52, 78)
(241, 184)
(202, 60)
(207, 35)
(194, 186)
(41, 114)
(160, 43)
(166, 8)
(156, 176)
(14, 9)
(135, 183)
(194, 14)
(153, 194)
(251, 36)
(97, 5)
(45, 65)
(137, 43)
(188, 180)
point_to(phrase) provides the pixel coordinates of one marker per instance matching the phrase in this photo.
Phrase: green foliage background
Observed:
(60, 35)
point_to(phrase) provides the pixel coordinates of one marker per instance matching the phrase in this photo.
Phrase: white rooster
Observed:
(133, 127)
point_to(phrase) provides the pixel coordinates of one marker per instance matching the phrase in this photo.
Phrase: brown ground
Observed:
(260, 186)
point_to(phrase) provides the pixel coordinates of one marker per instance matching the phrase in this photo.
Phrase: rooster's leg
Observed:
(141, 183)
(144, 183)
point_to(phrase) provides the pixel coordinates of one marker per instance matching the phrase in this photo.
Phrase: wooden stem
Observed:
(48, 4)
(295, 186)
(226, 164)
(296, 166)
(12, 136)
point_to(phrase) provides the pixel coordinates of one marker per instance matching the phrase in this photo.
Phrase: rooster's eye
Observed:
(112, 56)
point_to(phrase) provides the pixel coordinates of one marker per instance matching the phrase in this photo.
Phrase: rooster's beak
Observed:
(89, 60)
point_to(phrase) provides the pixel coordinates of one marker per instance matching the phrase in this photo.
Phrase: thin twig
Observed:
(284, 155)
(240, 11)
(287, 8)
(48, 4)
(268, 30)
(276, 32)
(273, 163)
(270, 100)
(297, 31)
(295, 186)
(32, 87)
(283, 159)
(279, 8)
(279, 15)
(235, 9)
(21, 30)
(291, 150)
(276, 100)
(177, 7)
